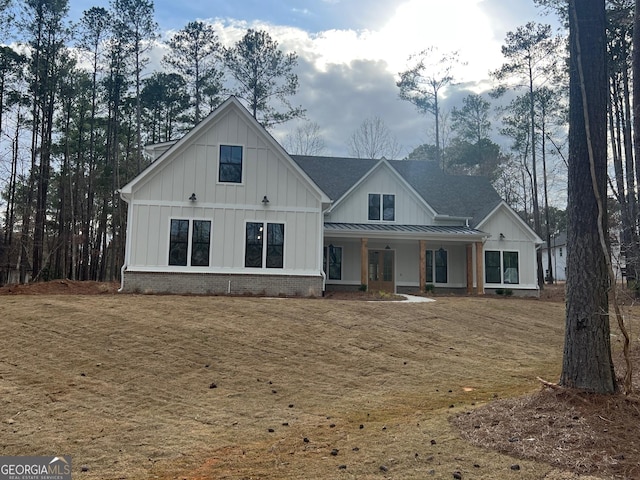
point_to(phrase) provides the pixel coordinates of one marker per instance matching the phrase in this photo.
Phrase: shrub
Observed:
(499, 291)
(508, 292)
(363, 287)
(429, 288)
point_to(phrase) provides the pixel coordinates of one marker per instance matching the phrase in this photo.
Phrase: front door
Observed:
(381, 271)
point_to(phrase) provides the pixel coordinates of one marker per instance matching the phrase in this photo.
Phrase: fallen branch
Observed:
(547, 384)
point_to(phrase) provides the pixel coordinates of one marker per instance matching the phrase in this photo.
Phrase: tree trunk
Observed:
(587, 362)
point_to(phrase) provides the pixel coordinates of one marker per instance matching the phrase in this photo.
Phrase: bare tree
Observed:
(373, 139)
(305, 140)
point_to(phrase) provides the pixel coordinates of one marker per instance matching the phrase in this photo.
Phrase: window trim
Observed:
(502, 262)
(190, 230)
(265, 246)
(381, 215)
(242, 164)
(434, 268)
(326, 263)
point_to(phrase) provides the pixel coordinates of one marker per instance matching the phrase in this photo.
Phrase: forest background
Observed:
(80, 99)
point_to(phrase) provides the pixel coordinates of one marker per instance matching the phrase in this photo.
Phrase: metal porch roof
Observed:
(392, 228)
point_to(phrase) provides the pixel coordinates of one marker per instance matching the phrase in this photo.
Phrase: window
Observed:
(374, 206)
(189, 239)
(388, 211)
(501, 267)
(441, 266)
(510, 267)
(230, 166)
(275, 245)
(200, 243)
(333, 262)
(264, 250)
(389, 208)
(560, 251)
(437, 269)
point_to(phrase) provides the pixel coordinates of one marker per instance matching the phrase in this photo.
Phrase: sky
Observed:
(350, 52)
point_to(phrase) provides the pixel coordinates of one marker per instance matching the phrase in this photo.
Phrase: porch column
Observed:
(479, 268)
(423, 264)
(469, 269)
(364, 262)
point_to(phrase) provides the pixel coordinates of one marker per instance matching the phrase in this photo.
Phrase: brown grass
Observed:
(135, 386)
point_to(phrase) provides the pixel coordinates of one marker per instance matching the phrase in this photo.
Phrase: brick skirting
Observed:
(222, 284)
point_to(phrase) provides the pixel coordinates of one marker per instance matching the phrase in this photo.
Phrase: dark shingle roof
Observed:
(334, 175)
(454, 195)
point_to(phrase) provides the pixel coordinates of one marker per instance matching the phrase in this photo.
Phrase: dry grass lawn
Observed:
(178, 387)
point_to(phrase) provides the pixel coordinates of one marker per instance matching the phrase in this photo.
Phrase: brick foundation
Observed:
(222, 284)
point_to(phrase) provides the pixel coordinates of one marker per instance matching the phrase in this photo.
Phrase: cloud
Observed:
(349, 74)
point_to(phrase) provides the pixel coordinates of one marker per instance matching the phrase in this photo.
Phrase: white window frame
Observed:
(433, 266)
(501, 252)
(263, 262)
(190, 241)
(242, 173)
(381, 197)
(327, 263)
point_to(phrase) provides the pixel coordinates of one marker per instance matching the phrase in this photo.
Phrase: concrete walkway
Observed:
(416, 299)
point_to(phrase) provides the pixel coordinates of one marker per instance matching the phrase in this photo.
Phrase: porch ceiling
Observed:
(460, 233)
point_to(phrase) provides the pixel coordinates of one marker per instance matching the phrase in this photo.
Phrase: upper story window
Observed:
(230, 166)
(189, 243)
(382, 206)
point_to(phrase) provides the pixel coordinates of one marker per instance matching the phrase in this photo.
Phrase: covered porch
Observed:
(403, 258)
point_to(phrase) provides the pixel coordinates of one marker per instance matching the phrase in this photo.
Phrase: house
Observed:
(226, 209)
(557, 247)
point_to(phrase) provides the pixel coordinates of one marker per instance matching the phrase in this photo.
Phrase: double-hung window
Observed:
(333, 262)
(189, 242)
(437, 266)
(382, 206)
(264, 245)
(230, 164)
(501, 267)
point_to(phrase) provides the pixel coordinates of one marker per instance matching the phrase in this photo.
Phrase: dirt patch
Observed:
(154, 386)
(574, 431)
(61, 287)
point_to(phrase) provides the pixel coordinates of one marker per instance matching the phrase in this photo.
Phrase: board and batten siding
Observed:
(193, 168)
(409, 209)
(516, 239)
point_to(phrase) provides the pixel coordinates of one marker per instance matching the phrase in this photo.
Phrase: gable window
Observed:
(382, 207)
(436, 266)
(501, 267)
(332, 264)
(230, 165)
(264, 248)
(189, 242)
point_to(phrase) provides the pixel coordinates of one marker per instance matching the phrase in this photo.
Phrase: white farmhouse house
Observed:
(226, 210)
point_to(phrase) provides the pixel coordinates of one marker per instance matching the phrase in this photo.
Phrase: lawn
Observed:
(143, 386)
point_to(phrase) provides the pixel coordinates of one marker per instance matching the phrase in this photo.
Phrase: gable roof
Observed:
(471, 197)
(167, 148)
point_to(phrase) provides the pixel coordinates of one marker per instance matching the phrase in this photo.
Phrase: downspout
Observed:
(127, 248)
